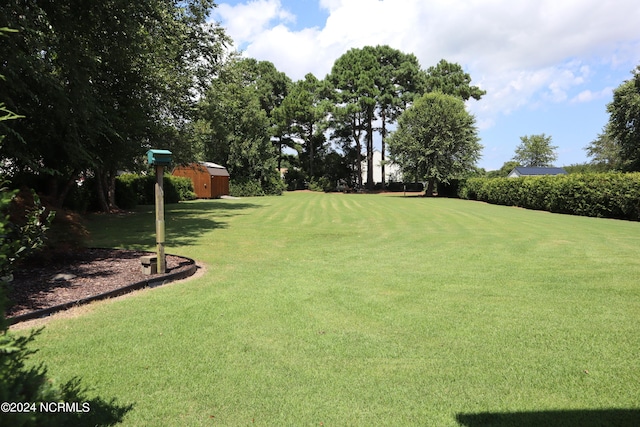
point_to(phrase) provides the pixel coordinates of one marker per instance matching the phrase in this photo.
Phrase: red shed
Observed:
(210, 181)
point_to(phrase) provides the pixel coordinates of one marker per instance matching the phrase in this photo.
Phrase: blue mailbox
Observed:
(159, 157)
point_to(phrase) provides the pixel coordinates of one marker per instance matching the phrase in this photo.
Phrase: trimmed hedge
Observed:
(133, 190)
(274, 186)
(245, 188)
(602, 195)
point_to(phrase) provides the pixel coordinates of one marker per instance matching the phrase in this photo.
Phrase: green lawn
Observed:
(349, 310)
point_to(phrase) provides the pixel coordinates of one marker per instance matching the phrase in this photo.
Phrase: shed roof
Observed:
(215, 169)
(528, 171)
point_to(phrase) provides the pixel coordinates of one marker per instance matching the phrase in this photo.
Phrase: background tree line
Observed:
(329, 125)
(98, 85)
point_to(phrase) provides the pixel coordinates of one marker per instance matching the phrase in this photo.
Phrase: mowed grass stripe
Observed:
(366, 309)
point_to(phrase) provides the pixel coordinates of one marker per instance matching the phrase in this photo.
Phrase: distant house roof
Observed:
(535, 171)
(215, 169)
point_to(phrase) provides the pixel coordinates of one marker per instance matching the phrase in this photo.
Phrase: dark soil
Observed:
(80, 275)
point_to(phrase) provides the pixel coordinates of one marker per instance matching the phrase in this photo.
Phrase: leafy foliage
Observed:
(604, 151)
(436, 140)
(133, 189)
(504, 171)
(19, 240)
(302, 113)
(370, 83)
(100, 83)
(236, 120)
(245, 188)
(623, 130)
(352, 80)
(535, 151)
(608, 195)
(450, 78)
(587, 168)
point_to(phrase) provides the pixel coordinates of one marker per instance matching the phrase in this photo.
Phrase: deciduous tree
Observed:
(623, 128)
(101, 82)
(436, 140)
(535, 151)
(237, 125)
(605, 151)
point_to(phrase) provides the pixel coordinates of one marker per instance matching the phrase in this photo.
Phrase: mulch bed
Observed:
(82, 275)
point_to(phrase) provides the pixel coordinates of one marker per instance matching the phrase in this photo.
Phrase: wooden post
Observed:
(162, 265)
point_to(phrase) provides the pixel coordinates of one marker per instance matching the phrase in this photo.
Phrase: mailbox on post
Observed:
(159, 157)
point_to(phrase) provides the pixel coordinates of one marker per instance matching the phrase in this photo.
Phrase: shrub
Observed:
(414, 186)
(134, 189)
(449, 189)
(245, 188)
(23, 224)
(127, 191)
(295, 180)
(322, 184)
(395, 186)
(607, 195)
(182, 185)
(176, 189)
(274, 186)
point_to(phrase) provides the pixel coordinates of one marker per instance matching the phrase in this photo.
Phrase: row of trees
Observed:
(330, 124)
(369, 90)
(97, 86)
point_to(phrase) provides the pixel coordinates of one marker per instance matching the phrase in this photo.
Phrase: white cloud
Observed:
(523, 53)
(588, 95)
(301, 50)
(245, 22)
(330, 5)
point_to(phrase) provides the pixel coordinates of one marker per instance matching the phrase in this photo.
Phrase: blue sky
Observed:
(548, 66)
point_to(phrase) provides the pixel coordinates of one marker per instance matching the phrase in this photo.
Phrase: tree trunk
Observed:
(61, 197)
(431, 183)
(356, 137)
(370, 182)
(359, 162)
(279, 155)
(384, 135)
(102, 200)
(106, 189)
(311, 152)
(111, 191)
